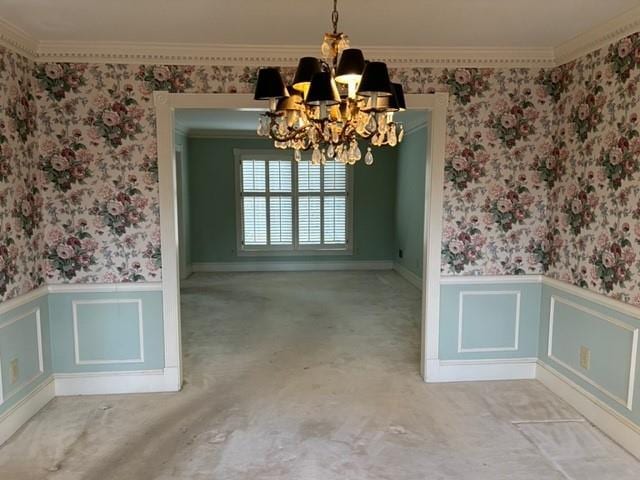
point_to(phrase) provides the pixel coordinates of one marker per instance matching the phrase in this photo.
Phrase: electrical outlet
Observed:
(585, 357)
(14, 371)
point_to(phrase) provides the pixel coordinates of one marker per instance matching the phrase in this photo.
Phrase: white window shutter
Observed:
(280, 220)
(335, 220)
(253, 176)
(308, 177)
(309, 221)
(254, 211)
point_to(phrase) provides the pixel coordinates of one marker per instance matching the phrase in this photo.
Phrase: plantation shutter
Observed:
(267, 203)
(289, 206)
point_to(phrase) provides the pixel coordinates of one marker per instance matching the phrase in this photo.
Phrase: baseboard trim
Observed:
(408, 275)
(24, 409)
(481, 370)
(291, 266)
(619, 428)
(105, 383)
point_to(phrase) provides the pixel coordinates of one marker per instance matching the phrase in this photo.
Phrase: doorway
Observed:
(166, 106)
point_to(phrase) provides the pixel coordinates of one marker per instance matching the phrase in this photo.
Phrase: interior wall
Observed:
(25, 352)
(410, 194)
(184, 215)
(212, 199)
(22, 180)
(594, 172)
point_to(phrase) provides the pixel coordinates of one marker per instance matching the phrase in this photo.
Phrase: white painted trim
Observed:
(591, 296)
(291, 266)
(408, 275)
(234, 134)
(115, 382)
(619, 428)
(437, 104)
(488, 279)
(628, 402)
(39, 346)
(481, 370)
(17, 40)
(167, 103)
(76, 337)
(461, 296)
(25, 408)
(105, 287)
(598, 37)
(18, 302)
(285, 55)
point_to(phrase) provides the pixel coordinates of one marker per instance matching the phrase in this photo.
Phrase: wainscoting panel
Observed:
(570, 323)
(106, 331)
(25, 354)
(489, 320)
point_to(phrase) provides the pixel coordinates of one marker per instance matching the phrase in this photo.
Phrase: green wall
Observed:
(212, 204)
(409, 215)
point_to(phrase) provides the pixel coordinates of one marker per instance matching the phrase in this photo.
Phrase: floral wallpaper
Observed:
(540, 169)
(594, 217)
(97, 151)
(21, 182)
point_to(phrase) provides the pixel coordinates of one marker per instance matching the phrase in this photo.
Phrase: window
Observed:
(289, 206)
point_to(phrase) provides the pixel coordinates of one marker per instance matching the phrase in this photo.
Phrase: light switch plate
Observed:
(585, 357)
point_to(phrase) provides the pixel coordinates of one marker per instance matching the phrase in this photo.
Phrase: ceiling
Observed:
(408, 23)
(244, 122)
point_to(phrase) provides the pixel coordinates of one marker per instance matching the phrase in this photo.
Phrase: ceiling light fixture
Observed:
(331, 104)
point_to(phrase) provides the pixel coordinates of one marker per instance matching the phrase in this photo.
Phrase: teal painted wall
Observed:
(489, 319)
(108, 333)
(409, 215)
(607, 333)
(212, 204)
(19, 341)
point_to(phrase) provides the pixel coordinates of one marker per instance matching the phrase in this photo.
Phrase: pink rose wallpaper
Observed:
(595, 203)
(541, 168)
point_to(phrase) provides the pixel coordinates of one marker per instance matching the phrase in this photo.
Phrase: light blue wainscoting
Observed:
(489, 320)
(110, 331)
(25, 353)
(570, 322)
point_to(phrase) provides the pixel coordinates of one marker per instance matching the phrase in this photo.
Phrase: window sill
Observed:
(312, 252)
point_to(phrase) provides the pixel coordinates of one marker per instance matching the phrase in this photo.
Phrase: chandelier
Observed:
(331, 104)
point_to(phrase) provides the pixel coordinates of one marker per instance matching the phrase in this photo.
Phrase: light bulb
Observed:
(368, 158)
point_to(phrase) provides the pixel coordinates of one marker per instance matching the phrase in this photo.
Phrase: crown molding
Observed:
(21, 42)
(232, 134)
(599, 36)
(283, 55)
(17, 40)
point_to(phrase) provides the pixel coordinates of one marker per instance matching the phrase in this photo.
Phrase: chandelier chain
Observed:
(335, 16)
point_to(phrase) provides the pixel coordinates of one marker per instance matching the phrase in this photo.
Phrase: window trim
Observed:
(295, 249)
